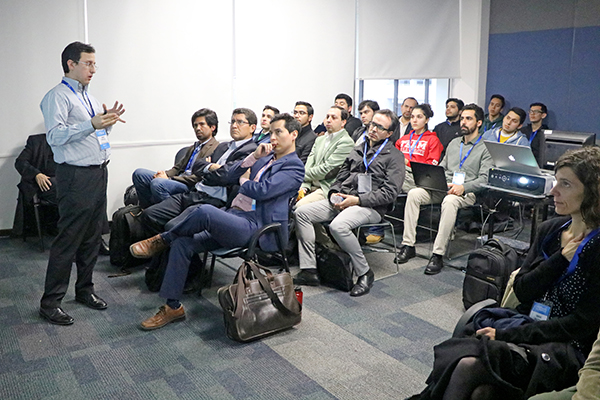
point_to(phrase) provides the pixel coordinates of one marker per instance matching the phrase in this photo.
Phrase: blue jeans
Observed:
(154, 190)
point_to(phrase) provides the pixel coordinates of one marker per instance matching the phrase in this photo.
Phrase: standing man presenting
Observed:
(77, 127)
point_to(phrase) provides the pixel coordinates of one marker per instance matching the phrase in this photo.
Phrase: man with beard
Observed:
(449, 129)
(466, 165)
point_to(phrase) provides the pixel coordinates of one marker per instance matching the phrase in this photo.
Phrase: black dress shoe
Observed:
(56, 316)
(307, 277)
(92, 301)
(405, 254)
(104, 249)
(363, 284)
(435, 265)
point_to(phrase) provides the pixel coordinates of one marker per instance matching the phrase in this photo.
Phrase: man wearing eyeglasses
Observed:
(212, 186)
(303, 113)
(77, 127)
(368, 182)
(534, 131)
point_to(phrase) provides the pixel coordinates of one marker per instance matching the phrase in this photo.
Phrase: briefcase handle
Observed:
(244, 282)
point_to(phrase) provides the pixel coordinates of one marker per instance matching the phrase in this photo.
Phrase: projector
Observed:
(520, 182)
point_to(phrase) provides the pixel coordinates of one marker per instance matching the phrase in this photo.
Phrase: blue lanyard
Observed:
(91, 113)
(575, 259)
(460, 157)
(190, 162)
(532, 137)
(375, 155)
(411, 148)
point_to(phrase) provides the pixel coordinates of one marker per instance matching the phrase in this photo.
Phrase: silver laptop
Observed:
(430, 177)
(511, 157)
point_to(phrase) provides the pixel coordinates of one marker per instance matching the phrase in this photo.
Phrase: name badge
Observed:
(540, 311)
(364, 183)
(458, 178)
(102, 139)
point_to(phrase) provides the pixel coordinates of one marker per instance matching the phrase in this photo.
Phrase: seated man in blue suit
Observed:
(268, 179)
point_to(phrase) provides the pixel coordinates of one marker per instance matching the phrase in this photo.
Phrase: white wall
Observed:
(474, 38)
(166, 59)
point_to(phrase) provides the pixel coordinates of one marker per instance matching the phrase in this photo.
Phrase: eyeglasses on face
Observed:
(88, 64)
(535, 112)
(238, 122)
(377, 126)
(299, 112)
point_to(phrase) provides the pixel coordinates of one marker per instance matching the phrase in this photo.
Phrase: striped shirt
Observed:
(68, 122)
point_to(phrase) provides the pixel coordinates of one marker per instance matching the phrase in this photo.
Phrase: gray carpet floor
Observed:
(379, 346)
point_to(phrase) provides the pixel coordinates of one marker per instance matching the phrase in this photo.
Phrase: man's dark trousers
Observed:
(206, 228)
(156, 217)
(82, 209)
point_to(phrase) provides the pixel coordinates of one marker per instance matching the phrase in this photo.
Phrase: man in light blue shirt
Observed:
(77, 127)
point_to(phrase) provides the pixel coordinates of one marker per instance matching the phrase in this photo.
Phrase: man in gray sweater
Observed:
(467, 163)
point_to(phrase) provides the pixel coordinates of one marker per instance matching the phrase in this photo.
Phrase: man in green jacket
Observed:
(326, 157)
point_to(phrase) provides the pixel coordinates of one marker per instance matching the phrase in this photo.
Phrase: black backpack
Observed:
(488, 270)
(125, 230)
(334, 267)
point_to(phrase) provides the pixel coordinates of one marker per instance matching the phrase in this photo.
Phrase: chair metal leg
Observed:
(36, 211)
(395, 247)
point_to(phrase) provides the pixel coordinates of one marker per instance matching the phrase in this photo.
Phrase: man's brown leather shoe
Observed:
(164, 316)
(148, 248)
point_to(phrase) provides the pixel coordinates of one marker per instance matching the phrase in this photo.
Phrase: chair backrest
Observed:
(180, 154)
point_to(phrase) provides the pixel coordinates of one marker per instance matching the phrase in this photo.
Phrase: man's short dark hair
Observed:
(344, 96)
(309, 108)
(542, 105)
(410, 98)
(479, 115)
(345, 113)
(248, 113)
(209, 116)
(499, 97)
(391, 115)
(459, 103)
(274, 109)
(520, 112)
(73, 52)
(372, 104)
(291, 124)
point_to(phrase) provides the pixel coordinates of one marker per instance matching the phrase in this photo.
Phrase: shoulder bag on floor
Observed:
(258, 303)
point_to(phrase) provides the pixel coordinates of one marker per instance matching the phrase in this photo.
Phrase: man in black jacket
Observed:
(37, 168)
(368, 182)
(211, 186)
(303, 113)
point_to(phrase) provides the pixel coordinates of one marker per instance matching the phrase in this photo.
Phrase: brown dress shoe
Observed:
(148, 248)
(164, 316)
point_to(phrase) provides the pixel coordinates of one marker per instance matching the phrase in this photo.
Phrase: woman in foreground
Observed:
(560, 281)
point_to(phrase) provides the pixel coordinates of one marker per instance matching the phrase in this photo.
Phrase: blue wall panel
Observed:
(584, 104)
(560, 68)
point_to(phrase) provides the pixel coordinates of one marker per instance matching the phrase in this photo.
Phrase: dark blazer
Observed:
(276, 186)
(304, 142)
(36, 157)
(238, 154)
(206, 151)
(352, 124)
